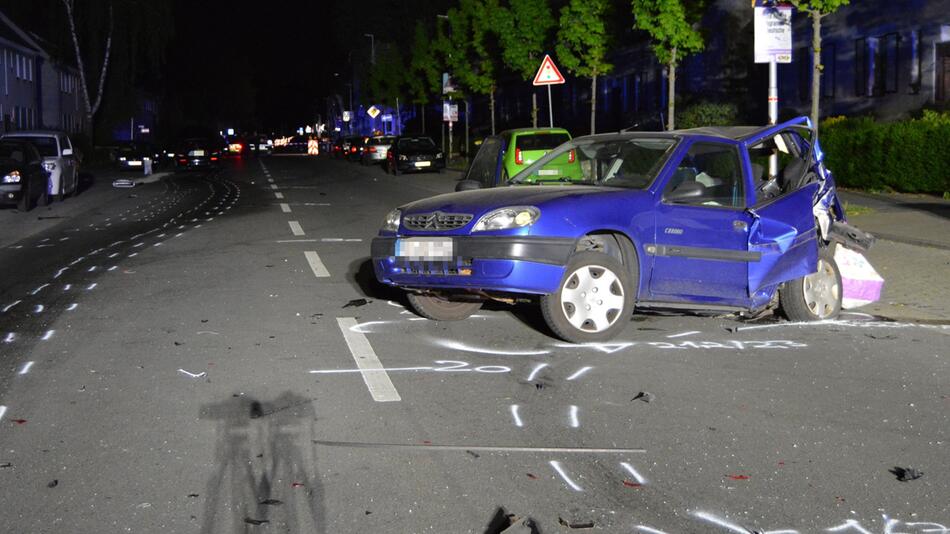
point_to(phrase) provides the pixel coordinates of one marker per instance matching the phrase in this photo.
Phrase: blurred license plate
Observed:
(423, 163)
(196, 153)
(424, 248)
(548, 172)
(135, 164)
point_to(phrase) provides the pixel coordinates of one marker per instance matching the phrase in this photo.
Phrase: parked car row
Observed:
(38, 167)
(396, 154)
(593, 227)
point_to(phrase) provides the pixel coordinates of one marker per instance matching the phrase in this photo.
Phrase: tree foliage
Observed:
(466, 45)
(822, 7)
(583, 39)
(425, 72)
(672, 25)
(387, 78)
(523, 30)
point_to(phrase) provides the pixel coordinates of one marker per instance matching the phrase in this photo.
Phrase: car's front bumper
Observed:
(408, 166)
(518, 264)
(10, 193)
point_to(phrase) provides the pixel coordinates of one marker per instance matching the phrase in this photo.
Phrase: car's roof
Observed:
(728, 132)
(522, 131)
(35, 133)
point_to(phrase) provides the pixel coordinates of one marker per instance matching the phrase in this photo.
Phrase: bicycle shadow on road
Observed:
(265, 466)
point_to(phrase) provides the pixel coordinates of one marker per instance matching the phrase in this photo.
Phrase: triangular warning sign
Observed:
(548, 73)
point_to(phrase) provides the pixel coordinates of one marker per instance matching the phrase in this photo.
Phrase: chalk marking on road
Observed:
(114, 254)
(379, 384)
(480, 448)
(633, 472)
(67, 287)
(567, 480)
(536, 370)
(60, 272)
(455, 345)
(10, 337)
(11, 305)
(316, 203)
(48, 335)
(93, 268)
(278, 195)
(316, 265)
(340, 240)
(295, 228)
(721, 522)
(41, 288)
(192, 375)
(575, 422)
(26, 368)
(72, 307)
(91, 286)
(684, 334)
(134, 254)
(3, 411)
(138, 245)
(77, 260)
(515, 416)
(580, 372)
(284, 207)
(649, 530)
(39, 308)
(114, 267)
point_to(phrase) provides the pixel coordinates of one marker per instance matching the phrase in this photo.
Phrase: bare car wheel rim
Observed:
(821, 290)
(592, 298)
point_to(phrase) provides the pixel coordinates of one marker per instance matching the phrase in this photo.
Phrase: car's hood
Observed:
(483, 200)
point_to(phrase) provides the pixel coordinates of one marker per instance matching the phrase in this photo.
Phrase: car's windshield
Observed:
(381, 141)
(612, 162)
(13, 151)
(45, 145)
(416, 143)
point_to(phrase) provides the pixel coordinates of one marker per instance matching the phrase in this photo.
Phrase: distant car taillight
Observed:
(570, 157)
(519, 160)
(371, 149)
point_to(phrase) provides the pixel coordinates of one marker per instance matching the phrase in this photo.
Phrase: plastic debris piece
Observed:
(19, 421)
(631, 484)
(575, 524)
(192, 375)
(53, 483)
(4, 465)
(906, 474)
(367, 512)
(256, 410)
(178, 343)
(296, 484)
(356, 303)
(738, 477)
(532, 477)
(252, 521)
(271, 502)
(473, 454)
(192, 495)
(644, 396)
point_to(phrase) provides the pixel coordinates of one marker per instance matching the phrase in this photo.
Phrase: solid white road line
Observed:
(378, 383)
(295, 228)
(316, 265)
(284, 207)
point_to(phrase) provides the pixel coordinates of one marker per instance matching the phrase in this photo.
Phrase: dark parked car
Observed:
(24, 181)
(353, 147)
(197, 154)
(414, 153)
(132, 156)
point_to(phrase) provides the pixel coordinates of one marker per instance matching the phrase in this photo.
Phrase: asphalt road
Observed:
(180, 357)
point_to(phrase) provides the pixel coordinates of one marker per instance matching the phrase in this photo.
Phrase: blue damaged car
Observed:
(722, 219)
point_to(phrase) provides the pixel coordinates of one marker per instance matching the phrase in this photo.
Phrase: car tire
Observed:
(439, 308)
(44, 198)
(814, 297)
(589, 273)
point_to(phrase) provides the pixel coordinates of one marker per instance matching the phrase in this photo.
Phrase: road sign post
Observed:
(773, 45)
(548, 75)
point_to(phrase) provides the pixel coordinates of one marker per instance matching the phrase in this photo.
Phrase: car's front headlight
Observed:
(49, 166)
(391, 223)
(12, 178)
(122, 158)
(506, 218)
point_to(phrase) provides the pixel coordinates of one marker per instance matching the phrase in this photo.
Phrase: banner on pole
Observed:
(773, 33)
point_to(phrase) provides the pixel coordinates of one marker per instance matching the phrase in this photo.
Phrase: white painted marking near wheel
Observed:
(72, 307)
(572, 414)
(3, 411)
(295, 228)
(633, 472)
(284, 207)
(10, 337)
(536, 370)
(48, 335)
(26, 368)
(12, 304)
(316, 264)
(41, 288)
(567, 480)
(514, 415)
(278, 195)
(60, 272)
(650, 530)
(579, 373)
(39, 308)
(455, 345)
(91, 286)
(684, 334)
(379, 384)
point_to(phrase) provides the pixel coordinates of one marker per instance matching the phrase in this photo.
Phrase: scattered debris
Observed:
(271, 502)
(296, 484)
(631, 484)
(19, 421)
(49, 217)
(473, 454)
(532, 477)
(4, 465)
(256, 410)
(192, 495)
(539, 385)
(178, 343)
(204, 320)
(737, 477)
(356, 303)
(212, 332)
(906, 474)
(252, 521)
(872, 336)
(192, 375)
(644, 396)
(575, 524)
(53, 483)
(367, 512)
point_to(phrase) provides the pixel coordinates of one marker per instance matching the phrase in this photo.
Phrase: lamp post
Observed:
(372, 47)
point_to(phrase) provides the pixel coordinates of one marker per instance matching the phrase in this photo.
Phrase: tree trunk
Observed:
(492, 111)
(423, 119)
(593, 104)
(816, 68)
(671, 92)
(534, 108)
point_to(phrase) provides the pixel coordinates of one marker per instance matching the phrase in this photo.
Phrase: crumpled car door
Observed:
(783, 232)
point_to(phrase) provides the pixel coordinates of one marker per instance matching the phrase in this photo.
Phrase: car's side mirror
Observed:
(686, 192)
(67, 152)
(468, 185)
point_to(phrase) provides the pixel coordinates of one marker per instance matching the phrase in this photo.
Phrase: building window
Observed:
(886, 63)
(829, 70)
(860, 67)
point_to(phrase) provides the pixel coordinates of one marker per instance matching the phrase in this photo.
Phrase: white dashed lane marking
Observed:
(295, 228)
(376, 378)
(316, 264)
(278, 195)
(284, 207)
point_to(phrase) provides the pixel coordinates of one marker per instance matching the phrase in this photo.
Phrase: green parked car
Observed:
(502, 156)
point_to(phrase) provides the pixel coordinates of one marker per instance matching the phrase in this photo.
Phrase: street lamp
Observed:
(372, 47)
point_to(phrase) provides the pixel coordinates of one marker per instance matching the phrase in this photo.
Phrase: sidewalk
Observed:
(912, 253)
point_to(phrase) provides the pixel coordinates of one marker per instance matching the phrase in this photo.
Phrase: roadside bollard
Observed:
(147, 166)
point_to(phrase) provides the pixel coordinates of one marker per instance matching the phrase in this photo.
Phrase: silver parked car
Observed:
(60, 159)
(375, 149)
